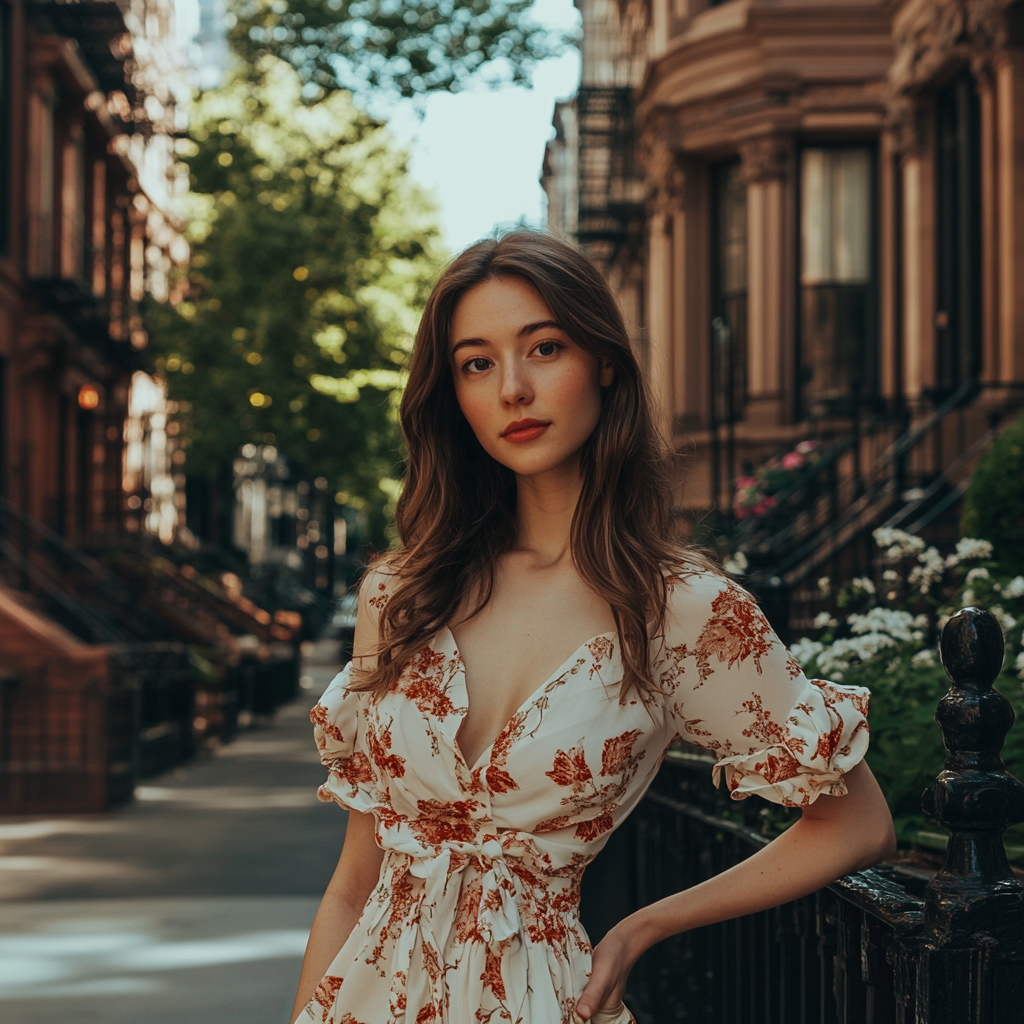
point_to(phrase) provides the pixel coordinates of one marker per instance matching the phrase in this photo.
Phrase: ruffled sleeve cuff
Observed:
(824, 737)
(336, 729)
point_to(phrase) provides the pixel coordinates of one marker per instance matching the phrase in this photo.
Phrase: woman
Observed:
(522, 664)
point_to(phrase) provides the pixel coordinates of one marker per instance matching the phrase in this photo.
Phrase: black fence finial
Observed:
(974, 797)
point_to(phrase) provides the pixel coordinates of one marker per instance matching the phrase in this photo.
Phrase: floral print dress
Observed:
(475, 917)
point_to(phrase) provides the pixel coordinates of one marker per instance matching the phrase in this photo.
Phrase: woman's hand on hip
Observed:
(612, 961)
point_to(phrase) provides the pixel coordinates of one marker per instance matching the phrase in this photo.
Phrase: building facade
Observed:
(813, 215)
(87, 115)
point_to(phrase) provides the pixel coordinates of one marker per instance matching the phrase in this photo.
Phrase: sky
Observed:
(480, 151)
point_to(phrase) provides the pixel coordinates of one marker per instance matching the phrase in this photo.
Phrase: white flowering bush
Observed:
(883, 634)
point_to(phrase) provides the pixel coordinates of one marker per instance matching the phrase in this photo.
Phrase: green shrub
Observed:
(994, 503)
(887, 642)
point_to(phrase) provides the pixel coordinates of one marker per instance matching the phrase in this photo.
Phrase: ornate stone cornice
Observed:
(766, 157)
(944, 35)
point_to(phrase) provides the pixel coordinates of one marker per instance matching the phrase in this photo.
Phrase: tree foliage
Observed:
(994, 502)
(409, 46)
(312, 254)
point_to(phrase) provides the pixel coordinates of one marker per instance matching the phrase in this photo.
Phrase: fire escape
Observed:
(610, 193)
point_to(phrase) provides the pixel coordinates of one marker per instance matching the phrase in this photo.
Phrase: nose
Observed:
(516, 388)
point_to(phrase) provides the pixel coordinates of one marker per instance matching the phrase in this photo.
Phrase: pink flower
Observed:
(768, 502)
(744, 482)
(792, 460)
(806, 446)
(759, 509)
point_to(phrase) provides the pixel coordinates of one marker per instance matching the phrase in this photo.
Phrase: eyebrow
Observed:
(540, 325)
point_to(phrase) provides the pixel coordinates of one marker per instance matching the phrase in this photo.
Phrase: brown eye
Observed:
(477, 365)
(548, 348)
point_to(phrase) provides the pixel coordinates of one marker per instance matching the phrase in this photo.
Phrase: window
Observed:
(41, 185)
(958, 236)
(838, 353)
(729, 330)
(72, 225)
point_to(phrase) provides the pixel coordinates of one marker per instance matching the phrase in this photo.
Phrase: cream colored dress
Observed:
(475, 917)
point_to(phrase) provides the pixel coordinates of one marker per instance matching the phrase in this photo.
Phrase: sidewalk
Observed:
(189, 906)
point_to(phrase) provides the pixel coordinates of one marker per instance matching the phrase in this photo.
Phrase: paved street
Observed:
(189, 906)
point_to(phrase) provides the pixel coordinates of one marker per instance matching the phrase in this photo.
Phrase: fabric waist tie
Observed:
(442, 870)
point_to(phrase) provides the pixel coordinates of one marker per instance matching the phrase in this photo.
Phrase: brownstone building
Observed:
(87, 143)
(813, 213)
(86, 166)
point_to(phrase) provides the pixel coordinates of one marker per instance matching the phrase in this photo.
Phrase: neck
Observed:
(545, 504)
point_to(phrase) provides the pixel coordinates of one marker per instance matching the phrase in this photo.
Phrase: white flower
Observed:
(967, 597)
(825, 586)
(823, 619)
(737, 565)
(1015, 588)
(968, 548)
(929, 571)
(899, 543)
(863, 584)
(923, 659)
(1004, 619)
(806, 650)
(893, 622)
(1019, 665)
(979, 572)
(838, 655)
(890, 575)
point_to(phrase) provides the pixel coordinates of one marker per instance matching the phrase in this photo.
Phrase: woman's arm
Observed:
(834, 837)
(347, 892)
(359, 864)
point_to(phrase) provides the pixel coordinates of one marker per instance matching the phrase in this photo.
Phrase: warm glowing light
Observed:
(88, 397)
(300, 273)
(259, 400)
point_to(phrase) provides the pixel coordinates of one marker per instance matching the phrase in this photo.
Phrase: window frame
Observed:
(870, 390)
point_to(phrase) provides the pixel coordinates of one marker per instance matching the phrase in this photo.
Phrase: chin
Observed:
(535, 463)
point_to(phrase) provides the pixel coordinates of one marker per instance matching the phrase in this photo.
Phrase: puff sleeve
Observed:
(338, 728)
(731, 686)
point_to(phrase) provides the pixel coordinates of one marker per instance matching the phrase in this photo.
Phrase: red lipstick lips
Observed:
(524, 430)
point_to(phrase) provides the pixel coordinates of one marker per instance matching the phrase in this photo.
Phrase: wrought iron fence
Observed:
(889, 945)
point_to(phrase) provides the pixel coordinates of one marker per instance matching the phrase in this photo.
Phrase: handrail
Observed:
(99, 627)
(880, 487)
(910, 437)
(65, 547)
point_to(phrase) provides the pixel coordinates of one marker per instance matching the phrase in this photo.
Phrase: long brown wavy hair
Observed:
(457, 512)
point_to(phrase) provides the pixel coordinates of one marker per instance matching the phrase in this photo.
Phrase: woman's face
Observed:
(531, 395)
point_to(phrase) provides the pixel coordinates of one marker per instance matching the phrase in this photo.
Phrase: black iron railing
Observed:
(888, 945)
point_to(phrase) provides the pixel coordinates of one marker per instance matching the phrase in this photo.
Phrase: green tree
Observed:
(994, 502)
(410, 46)
(312, 254)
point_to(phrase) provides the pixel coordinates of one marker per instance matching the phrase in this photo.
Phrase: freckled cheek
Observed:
(478, 407)
(578, 395)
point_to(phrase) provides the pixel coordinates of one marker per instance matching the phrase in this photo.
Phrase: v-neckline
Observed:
(484, 757)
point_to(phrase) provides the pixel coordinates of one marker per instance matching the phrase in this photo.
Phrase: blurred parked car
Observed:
(343, 623)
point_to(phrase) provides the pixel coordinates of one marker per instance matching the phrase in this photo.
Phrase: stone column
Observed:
(768, 166)
(659, 315)
(911, 130)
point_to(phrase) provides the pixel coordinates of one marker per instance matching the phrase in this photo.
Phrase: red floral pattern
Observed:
(475, 917)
